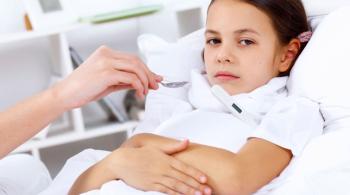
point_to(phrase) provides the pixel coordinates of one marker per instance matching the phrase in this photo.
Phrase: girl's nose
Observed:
(223, 59)
(225, 56)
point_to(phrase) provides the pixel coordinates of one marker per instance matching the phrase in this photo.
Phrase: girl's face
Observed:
(242, 49)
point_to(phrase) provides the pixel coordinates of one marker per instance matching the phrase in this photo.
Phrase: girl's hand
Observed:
(168, 145)
(150, 169)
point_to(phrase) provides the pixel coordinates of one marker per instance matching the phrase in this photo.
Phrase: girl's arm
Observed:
(255, 165)
(144, 168)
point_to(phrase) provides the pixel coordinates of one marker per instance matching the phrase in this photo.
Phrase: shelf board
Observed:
(27, 35)
(187, 5)
(76, 136)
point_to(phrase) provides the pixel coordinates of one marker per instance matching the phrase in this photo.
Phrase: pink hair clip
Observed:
(305, 36)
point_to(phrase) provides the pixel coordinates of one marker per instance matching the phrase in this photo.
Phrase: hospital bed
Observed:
(320, 73)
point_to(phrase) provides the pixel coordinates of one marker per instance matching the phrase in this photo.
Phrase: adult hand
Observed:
(104, 72)
(150, 169)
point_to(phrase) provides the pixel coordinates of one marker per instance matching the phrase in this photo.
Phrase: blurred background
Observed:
(41, 41)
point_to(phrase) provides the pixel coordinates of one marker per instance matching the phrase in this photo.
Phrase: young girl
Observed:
(251, 46)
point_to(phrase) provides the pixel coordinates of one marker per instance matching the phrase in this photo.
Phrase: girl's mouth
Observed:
(225, 76)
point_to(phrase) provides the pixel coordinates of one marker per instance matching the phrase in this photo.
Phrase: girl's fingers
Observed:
(175, 147)
(163, 189)
(188, 181)
(177, 186)
(189, 170)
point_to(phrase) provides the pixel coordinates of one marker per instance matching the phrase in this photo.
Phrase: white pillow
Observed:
(317, 9)
(320, 73)
(322, 70)
(323, 168)
(174, 61)
(323, 7)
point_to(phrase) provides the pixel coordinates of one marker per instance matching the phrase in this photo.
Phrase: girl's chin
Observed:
(232, 90)
(230, 87)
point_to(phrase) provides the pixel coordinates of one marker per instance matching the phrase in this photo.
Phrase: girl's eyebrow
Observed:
(246, 30)
(240, 31)
(209, 31)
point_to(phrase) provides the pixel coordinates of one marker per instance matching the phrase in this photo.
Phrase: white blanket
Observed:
(322, 169)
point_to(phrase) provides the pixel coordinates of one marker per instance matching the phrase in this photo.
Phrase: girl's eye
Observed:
(246, 42)
(213, 41)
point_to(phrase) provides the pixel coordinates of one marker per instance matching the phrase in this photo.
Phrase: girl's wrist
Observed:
(94, 177)
(112, 165)
(133, 142)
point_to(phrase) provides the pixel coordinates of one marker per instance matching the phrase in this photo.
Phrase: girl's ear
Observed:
(289, 55)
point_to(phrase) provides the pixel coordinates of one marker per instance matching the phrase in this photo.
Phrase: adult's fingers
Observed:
(127, 66)
(126, 78)
(128, 61)
(158, 77)
(137, 61)
(111, 90)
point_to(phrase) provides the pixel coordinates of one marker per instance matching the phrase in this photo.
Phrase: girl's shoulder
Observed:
(297, 101)
(291, 123)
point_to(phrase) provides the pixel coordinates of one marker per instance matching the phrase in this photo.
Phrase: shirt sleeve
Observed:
(291, 123)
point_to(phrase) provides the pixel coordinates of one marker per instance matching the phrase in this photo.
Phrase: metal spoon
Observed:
(173, 84)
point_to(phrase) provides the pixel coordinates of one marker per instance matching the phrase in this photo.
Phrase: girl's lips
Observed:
(226, 76)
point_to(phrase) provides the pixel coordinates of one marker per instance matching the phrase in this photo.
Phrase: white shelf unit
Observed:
(178, 18)
(21, 36)
(34, 146)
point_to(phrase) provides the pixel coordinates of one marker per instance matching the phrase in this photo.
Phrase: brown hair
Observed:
(288, 18)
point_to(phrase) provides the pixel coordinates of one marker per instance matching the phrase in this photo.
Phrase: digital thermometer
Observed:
(234, 108)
